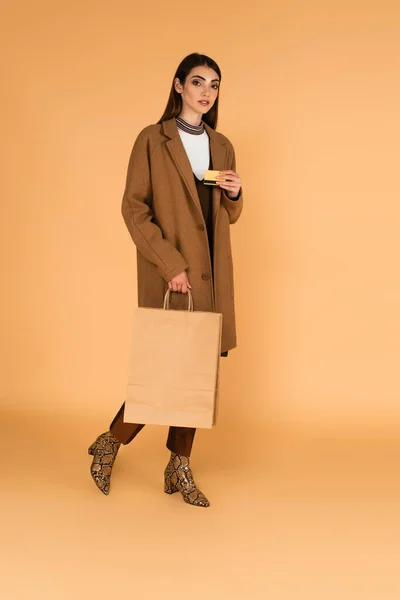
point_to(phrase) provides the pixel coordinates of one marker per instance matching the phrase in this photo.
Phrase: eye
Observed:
(214, 85)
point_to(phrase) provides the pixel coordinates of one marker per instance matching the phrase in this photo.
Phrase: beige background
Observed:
(310, 99)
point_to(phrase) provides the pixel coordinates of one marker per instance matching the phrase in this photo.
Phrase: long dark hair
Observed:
(174, 104)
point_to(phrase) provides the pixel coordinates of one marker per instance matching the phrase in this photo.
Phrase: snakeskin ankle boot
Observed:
(104, 451)
(178, 477)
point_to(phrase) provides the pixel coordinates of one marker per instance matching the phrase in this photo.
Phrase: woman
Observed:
(180, 227)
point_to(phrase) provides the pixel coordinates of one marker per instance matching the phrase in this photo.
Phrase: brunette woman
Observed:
(181, 229)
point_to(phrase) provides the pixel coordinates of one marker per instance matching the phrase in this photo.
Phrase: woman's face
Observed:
(202, 84)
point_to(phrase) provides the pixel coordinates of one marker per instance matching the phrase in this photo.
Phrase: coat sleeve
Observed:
(234, 207)
(139, 217)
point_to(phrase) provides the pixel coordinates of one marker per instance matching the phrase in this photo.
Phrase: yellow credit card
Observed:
(210, 177)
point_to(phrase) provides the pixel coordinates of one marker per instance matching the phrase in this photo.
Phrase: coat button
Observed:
(205, 276)
(201, 227)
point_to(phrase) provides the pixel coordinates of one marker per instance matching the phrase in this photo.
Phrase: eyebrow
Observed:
(203, 78)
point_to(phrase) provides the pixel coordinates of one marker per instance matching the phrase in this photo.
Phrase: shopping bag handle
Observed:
(166, 300)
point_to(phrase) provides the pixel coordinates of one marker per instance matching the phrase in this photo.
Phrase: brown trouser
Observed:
(180, 439)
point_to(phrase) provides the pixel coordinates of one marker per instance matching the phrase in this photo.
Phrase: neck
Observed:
(191, 117)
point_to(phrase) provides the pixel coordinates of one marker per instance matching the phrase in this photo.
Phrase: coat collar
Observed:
(218, 150)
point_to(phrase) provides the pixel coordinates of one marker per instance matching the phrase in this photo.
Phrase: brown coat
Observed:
(162, 212)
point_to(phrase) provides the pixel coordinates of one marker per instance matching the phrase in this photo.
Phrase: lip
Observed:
(204, 102)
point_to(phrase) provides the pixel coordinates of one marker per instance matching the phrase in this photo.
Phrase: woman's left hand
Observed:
(231, 184)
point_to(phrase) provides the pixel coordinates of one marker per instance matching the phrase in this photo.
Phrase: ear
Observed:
(177, 85)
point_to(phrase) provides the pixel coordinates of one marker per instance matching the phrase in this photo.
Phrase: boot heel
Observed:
(91, 449)
(170, 488)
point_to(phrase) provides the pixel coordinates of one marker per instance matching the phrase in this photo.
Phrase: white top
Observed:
(198, 151)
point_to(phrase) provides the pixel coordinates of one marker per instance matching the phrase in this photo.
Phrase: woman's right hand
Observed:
(179, 283)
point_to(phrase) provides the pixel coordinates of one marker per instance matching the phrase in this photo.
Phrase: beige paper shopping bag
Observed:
(173, 368)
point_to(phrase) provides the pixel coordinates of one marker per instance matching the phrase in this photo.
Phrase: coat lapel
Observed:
(219, 155)
(218, 150)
